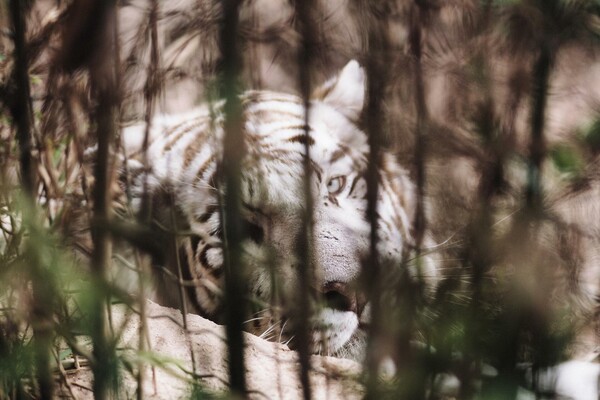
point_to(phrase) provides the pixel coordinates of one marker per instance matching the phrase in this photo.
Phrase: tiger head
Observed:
(273, 205)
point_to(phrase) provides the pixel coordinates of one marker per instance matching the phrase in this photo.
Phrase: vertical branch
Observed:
(480, 250)
(104, 83)
(541, 75)
(412, 370)
(537, 152)
(415, 38)
(375, 48)
(21, 104)
(305, 13)
(101, 253)
(22, 114)
(151, 90)
(233, 154)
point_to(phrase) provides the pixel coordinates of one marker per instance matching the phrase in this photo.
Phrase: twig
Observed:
(63, 375)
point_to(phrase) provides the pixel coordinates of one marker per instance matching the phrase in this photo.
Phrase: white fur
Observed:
(338, 327)
(348, 90)
(274, 184)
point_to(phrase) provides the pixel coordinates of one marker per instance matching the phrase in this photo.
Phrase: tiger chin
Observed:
(182, 177)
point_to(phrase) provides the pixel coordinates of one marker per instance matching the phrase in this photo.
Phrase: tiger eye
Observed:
(336, 184)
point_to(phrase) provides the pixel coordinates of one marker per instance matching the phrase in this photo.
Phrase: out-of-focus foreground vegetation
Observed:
(493, 106)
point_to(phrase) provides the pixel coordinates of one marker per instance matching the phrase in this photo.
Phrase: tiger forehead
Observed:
(264, 105)
(348, 159)
(275, 119)
(258, 96)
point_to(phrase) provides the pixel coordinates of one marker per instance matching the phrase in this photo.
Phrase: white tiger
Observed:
(183, 156)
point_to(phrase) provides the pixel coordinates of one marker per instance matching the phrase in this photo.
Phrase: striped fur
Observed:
(184, 154)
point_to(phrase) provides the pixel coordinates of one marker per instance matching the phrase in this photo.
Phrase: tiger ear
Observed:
(346, 91)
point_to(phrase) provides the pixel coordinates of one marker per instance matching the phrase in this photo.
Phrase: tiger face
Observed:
(186, 160)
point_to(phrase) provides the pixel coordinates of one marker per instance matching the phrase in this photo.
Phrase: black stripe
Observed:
(204, 167)
(339, 153)
(210, 210)
(302, 138)
(317, 170)
(353, 185)
(333, 200)
(203, 258)
(177, 136)
(217, 232)
(195, 242)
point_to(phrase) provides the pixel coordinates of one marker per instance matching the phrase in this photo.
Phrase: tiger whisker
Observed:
(268, 338)
(506, 217)
(289, 340)
(438, 245)
(281, 331)
(254, 319)
(269, 330)
(262, 311)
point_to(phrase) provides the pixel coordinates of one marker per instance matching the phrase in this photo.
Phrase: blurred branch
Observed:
(233, 154)
(537, 151)
(84, 33)
(415, 37)
(99, 58)
(20, 105)
(21, 110)
(151, 90)
(376, 62)
(306, 13)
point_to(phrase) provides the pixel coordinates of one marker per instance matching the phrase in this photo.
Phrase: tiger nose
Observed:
(339, 296)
